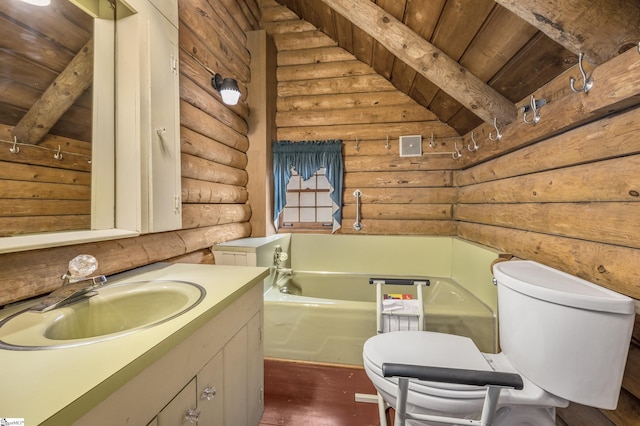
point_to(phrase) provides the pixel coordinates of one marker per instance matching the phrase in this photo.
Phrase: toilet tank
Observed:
(567, 335)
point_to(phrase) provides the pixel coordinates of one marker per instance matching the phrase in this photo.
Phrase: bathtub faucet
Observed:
(284, 271)
(279, 258)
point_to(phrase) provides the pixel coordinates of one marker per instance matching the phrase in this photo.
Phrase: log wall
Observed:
(563, 192)
(213, 143)
(324, 92)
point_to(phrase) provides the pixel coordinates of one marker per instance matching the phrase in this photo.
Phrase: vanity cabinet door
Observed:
(236, 387)
(182, 408)
(210, 382)
(255, 395)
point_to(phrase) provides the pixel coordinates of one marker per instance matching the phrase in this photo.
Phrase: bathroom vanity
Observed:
(205, 365)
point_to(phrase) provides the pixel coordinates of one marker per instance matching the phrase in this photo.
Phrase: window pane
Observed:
(323, 199)
(291, 215)
(308, 199)
(324, 214)
(307, 214)
(323, 183)
(292, 199)
(294, 183)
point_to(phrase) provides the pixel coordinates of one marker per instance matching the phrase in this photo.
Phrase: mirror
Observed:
(93, 151)
(45, 117)
(58, 150)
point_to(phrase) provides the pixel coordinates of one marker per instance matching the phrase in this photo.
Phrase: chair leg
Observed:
(382, 410)
(489, 407)
(401, 403)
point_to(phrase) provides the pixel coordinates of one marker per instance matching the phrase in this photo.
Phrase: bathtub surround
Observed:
(468, 263)
(461, 298)
(327, 316)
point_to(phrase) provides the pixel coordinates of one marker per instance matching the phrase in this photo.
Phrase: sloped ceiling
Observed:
(469, 60)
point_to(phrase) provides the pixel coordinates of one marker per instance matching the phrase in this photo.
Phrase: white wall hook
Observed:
(475, 144)
(587, 82)
(58, 154)
(534, 106)
(456, 154)
(498, 134)
(15, 148)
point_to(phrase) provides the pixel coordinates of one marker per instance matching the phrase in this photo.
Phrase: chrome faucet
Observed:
(279, 258)
(77, 285)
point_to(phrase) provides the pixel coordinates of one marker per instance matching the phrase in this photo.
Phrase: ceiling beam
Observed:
(601, 29)
(427, 60)
(57, 98)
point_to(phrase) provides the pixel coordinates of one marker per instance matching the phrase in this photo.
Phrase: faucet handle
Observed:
(82, 265)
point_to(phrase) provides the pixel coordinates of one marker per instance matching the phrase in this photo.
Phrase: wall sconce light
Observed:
(228, 88)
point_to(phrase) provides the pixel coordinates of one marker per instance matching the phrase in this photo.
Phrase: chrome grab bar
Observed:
(358, 225)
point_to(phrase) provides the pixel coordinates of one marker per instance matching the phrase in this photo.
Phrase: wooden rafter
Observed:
(427, 60)
(57, 98)
(601, 29)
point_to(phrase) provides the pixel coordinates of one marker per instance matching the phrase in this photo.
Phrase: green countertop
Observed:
(57, 386)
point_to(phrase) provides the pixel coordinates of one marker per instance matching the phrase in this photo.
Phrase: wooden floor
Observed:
(305, 394)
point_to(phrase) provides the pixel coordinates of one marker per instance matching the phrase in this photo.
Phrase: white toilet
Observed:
(566, 337)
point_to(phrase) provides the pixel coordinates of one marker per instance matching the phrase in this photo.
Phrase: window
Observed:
(319, 166)
(308, 203)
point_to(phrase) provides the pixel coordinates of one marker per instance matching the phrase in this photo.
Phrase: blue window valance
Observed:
(307, 157)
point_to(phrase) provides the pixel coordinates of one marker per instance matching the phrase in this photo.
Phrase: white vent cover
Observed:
(411, 146)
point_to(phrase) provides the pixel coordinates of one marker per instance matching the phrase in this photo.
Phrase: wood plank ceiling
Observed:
(497, 44)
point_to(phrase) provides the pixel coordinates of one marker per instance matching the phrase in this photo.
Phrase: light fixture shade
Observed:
(38, 2)
(228, 88)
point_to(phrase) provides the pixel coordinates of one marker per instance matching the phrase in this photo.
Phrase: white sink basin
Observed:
(117, 310)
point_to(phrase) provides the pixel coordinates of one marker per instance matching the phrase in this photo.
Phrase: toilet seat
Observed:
(427, 348)
(450, 351)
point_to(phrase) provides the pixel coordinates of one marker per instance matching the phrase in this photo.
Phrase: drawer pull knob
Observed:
(208, 393)
(192, 415)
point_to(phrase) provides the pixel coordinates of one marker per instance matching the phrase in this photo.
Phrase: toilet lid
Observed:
(426, 348)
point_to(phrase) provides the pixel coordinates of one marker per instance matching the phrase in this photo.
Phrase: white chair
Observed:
(400, 314)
